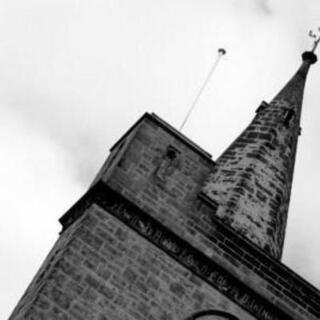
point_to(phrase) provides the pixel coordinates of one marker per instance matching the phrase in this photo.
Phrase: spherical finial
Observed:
(309, 57)
(222, 51)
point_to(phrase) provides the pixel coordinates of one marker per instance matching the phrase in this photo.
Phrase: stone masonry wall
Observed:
(116, 153)
(172, 200)
(253, 177)
(169, 193)
(104, 270)
(176, 204)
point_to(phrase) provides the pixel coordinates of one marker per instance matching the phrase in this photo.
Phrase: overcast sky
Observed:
(74, 75)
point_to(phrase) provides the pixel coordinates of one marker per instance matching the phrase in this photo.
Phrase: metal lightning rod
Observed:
(221, 52)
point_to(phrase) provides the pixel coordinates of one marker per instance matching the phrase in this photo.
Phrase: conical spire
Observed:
(252, 179)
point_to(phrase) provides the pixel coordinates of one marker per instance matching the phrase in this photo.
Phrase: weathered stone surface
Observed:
(252, 180)
(141, 243)
(162, 291)
(162, 267)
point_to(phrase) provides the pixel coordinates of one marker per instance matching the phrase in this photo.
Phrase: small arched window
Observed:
(168, 164)
(212, 315)
(288, 116)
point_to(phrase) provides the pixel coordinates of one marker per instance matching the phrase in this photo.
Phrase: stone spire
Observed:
(252, 179)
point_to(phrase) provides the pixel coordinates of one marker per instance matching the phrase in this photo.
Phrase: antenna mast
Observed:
(221, 52)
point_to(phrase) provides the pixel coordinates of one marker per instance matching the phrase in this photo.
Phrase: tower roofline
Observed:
(154, 118)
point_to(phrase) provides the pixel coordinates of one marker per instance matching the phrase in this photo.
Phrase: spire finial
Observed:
(309, 56)
(316, 39)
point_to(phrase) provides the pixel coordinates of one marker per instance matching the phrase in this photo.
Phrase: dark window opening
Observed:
(288, 116)
(171, 154)
(168, 164)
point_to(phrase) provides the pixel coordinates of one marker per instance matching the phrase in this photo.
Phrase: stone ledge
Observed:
(167, 127)
(199, 263)
(283, 281)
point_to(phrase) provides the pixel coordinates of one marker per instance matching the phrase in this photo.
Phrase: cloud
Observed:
(37, 187)
(254, 6)
(75, 76)
(264, 6)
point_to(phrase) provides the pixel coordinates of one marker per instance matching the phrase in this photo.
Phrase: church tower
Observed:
(166, 233)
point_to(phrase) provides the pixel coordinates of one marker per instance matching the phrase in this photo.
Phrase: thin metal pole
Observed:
(221, 52)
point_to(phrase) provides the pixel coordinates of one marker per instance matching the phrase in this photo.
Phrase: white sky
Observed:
(74, 75)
